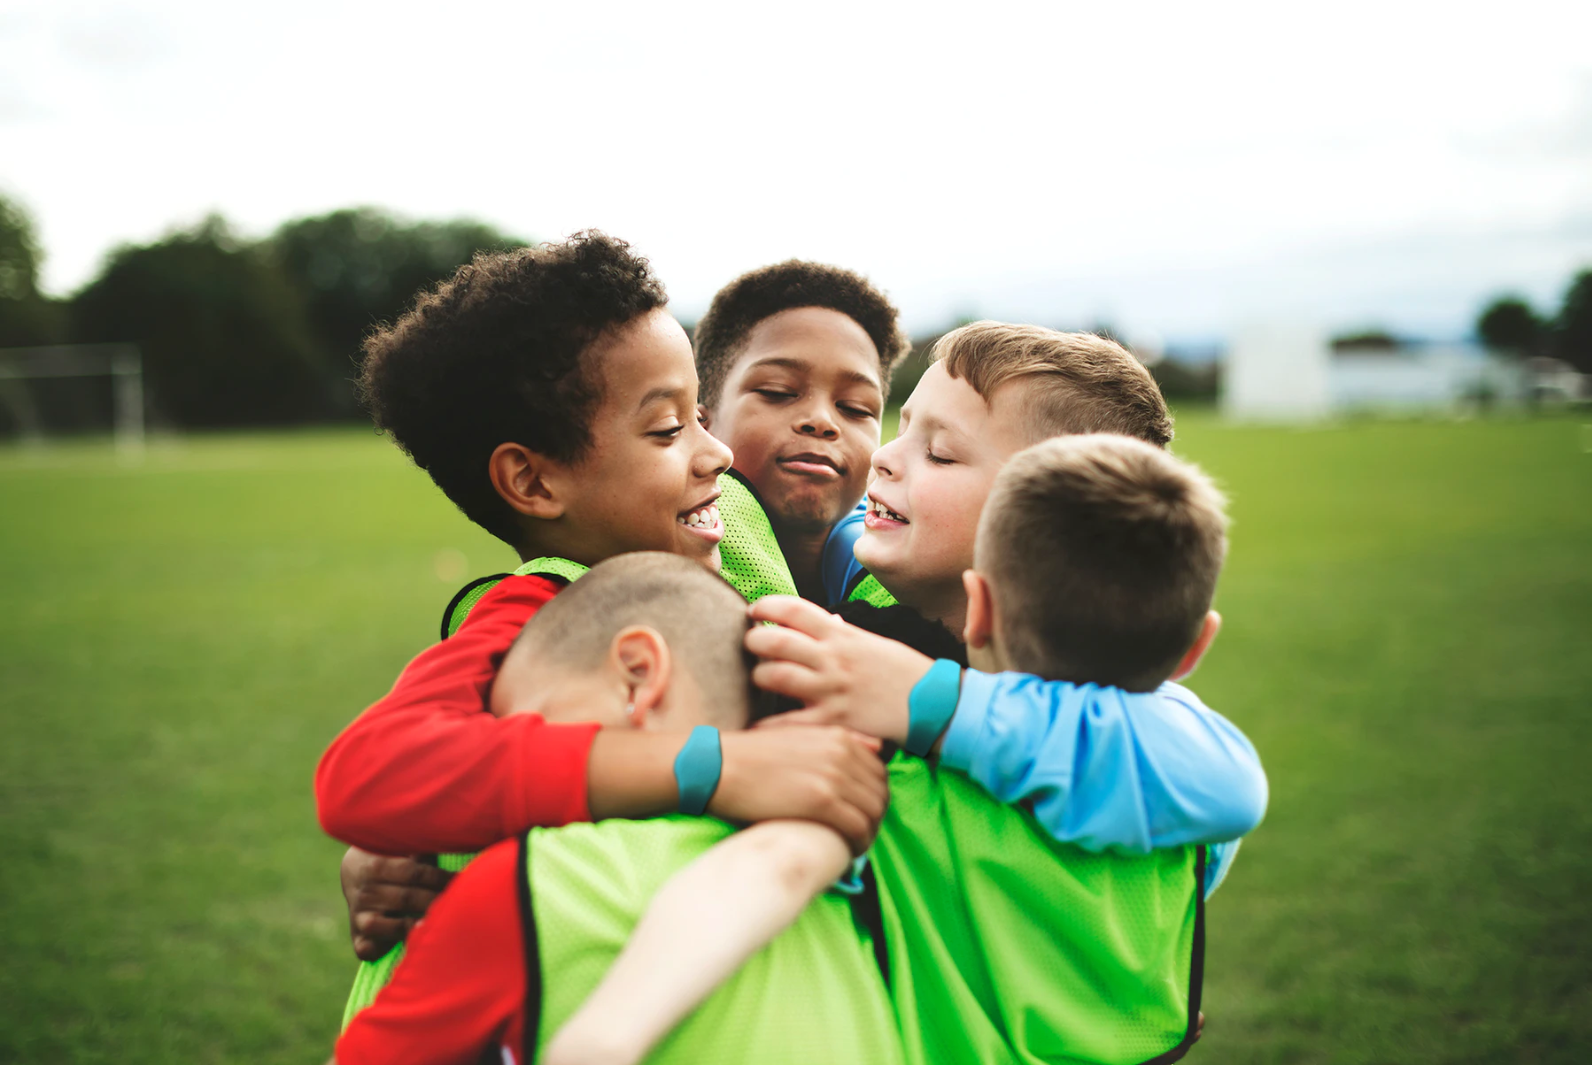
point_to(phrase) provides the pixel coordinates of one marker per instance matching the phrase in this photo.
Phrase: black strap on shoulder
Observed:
(867, 911)
(458, 597)
(1196, 974)
(533, 958)
(856, 579)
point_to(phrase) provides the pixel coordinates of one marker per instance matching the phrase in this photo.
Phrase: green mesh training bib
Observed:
(1006, 946)
(749, 554)
(749, 558)
(812, 995)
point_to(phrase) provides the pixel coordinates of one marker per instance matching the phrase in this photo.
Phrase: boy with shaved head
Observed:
(644, 642)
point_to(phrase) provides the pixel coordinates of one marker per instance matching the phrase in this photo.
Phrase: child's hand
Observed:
(386, 896)
(841, 674)
(829, 775)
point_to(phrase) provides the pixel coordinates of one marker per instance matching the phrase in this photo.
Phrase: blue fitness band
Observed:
(697, 768)
(931, 705)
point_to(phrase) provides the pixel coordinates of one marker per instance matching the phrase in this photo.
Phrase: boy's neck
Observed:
(947, 605)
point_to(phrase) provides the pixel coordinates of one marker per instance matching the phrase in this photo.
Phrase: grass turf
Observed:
(1408, 610)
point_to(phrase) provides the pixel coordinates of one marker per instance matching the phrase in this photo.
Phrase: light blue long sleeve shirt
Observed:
(1101, 768)
(1108, 769)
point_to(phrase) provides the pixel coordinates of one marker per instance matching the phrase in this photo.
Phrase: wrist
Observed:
(630, 774)
(697, 770)
(909, 671)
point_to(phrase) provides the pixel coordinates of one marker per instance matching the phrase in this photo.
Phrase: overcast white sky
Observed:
(1174, 169)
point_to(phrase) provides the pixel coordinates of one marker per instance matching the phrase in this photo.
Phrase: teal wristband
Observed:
(697, 768)
(931, 705)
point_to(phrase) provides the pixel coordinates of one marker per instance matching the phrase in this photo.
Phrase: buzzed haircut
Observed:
(494, 355)
(721, 335)
(1102, 554)
(700, 616)
(1072, 382)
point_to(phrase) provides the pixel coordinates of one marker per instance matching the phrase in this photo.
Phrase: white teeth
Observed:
(883, 511)
(703, 518)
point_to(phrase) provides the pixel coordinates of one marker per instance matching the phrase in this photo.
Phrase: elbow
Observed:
(1245, 805)
(334, 805)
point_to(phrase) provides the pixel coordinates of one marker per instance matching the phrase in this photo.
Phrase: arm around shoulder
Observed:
(1105, 768)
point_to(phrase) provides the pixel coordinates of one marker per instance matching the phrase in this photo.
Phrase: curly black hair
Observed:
(764, 292)
(494, 355)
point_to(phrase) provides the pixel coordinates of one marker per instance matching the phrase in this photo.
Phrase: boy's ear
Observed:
(1202, 643)
(980, 626)
(640, 657)
(527, 480)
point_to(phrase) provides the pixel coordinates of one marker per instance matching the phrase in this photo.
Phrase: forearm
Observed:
(700, 928)
(419, 782)
(1103, 768)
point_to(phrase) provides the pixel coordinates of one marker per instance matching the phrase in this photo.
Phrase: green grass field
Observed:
(1408, 606)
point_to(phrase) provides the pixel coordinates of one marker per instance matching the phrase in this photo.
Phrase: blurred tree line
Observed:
(1511, 325)
(241, 332)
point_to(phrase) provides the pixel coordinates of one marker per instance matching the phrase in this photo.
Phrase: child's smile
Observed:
(928, 489)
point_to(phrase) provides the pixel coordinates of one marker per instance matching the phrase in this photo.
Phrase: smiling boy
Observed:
(795, 361)
(552, 397)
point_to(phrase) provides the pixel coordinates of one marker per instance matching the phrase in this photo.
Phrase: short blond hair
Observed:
(1073, 382)
(1102, 554)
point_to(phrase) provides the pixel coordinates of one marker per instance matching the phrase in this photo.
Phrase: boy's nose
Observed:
(817, 423)
(714, 457)
(881, 460)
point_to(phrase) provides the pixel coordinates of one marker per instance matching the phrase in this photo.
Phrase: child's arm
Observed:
(1099, 767)
(1102, 767)
(428, 770)
(700, 928)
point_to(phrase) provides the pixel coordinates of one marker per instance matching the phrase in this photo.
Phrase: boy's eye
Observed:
(939, 460)
(667, 434)
(774, 393)
(859, 412)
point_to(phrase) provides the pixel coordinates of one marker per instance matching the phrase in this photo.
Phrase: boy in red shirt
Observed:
(552, 397)
(794, 361)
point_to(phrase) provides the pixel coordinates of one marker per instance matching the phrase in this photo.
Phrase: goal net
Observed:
(73, 388)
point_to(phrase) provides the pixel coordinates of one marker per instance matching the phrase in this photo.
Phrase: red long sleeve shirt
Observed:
(461, 987)
(427, 769)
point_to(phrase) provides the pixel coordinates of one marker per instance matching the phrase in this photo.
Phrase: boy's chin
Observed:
(807, 509)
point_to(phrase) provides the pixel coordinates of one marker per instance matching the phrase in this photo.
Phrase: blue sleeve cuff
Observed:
(851, 882)
(1218, 863)
(967, 726)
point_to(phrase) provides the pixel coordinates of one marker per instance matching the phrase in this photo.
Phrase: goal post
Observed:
(122, 363)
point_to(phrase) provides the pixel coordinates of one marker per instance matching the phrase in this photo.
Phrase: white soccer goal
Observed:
(121, 362)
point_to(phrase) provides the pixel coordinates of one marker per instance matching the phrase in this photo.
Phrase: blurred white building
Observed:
(1291, 373)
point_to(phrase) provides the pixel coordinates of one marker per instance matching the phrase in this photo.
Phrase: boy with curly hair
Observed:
(553, 398)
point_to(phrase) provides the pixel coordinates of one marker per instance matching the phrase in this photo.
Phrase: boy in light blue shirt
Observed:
(1099, 767)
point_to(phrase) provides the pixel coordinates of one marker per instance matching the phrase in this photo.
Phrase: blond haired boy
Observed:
(985, 901)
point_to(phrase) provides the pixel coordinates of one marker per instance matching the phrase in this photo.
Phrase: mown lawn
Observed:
(1409, 611)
